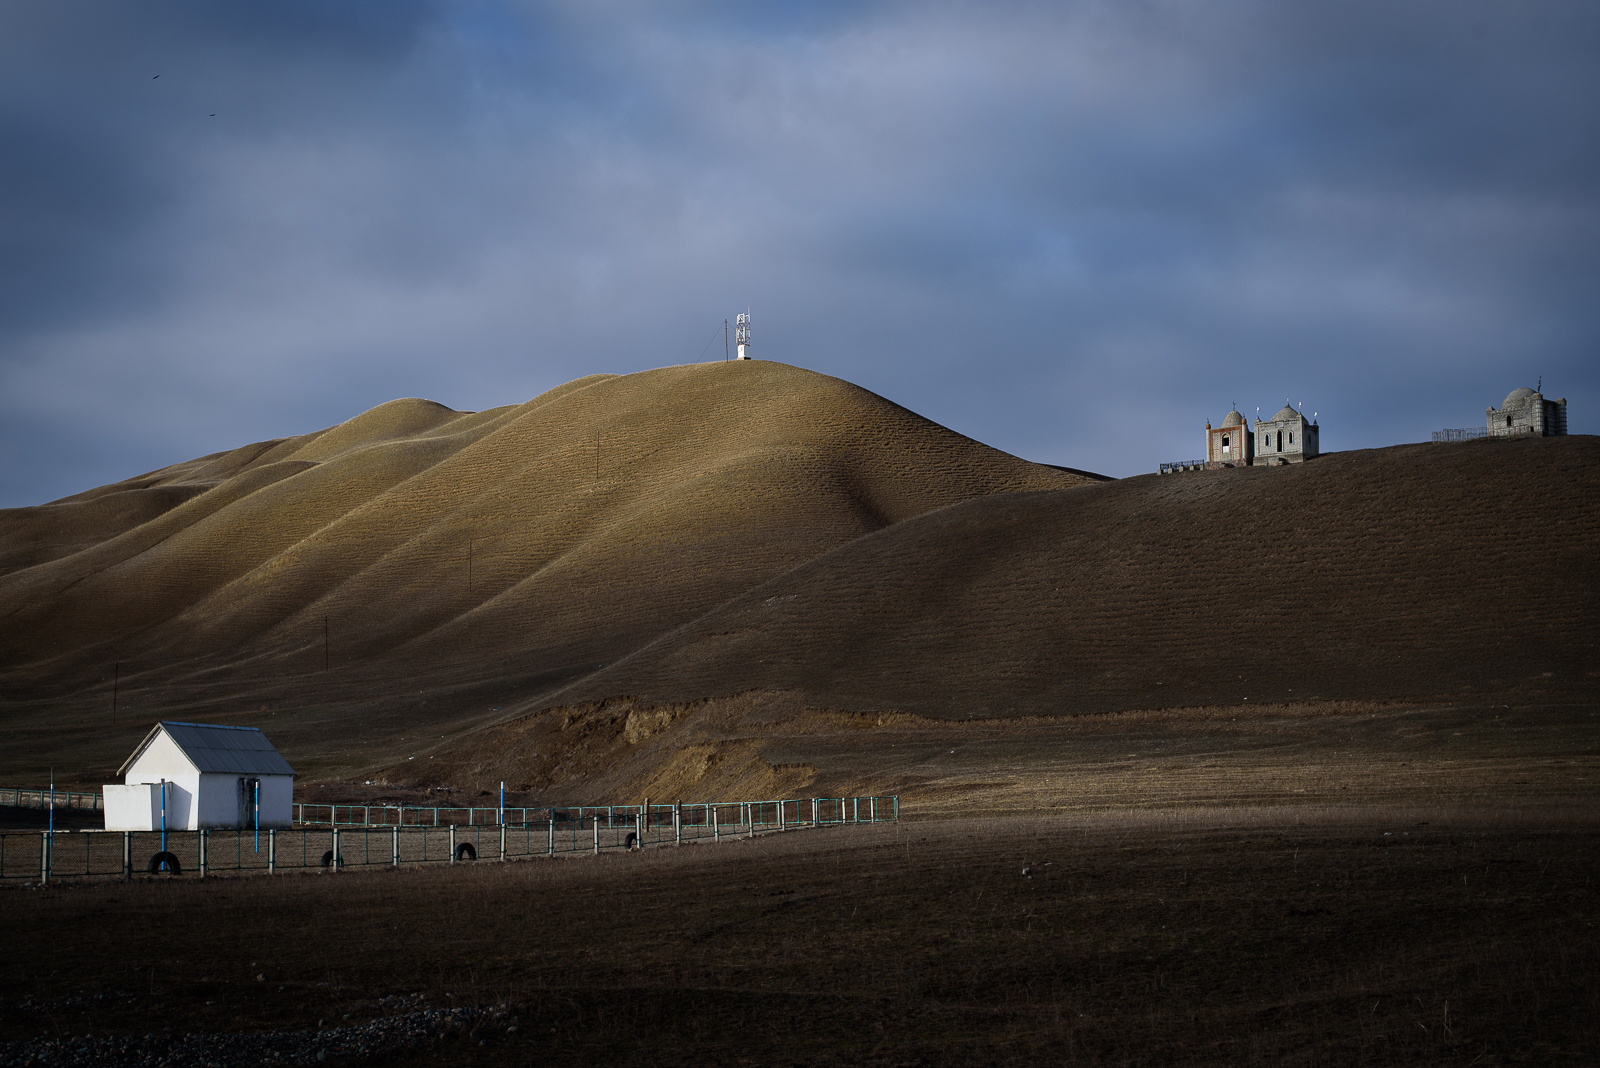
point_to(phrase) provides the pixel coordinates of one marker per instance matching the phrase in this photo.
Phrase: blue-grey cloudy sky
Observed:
(1074, 231)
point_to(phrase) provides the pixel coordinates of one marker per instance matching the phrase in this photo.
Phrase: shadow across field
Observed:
(1269, 935)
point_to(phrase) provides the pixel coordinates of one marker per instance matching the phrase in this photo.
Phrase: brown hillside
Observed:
(1415, 571)
(458, 559)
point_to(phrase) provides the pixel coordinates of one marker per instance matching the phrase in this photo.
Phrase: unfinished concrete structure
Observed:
(1525, 411)
(1286, 438)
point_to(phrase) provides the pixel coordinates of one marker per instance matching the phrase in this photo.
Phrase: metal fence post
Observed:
(44, 856)
(716, 826)
(780, 815)
(896, 800)
(502, 842)
(397, 845)
(203, 839)
(550, 834)
(334, 863)
(872, 809)
(596, 824)
(127, 854)
(272, 851)
(452, 841)
(677, 823)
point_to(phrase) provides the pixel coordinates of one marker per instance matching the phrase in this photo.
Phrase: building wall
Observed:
(132, 808)
(181, 809)
(1238, 450)
(219, 800)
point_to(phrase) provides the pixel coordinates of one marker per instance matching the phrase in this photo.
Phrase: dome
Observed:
(1233, 419)
(1517, 398)
(1287, 412)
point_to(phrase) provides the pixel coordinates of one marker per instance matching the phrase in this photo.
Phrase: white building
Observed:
(1286, 438)
(1526, 411)
(205, 775)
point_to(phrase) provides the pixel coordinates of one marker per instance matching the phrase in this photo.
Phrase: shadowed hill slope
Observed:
(416, 548)
(1407, 572)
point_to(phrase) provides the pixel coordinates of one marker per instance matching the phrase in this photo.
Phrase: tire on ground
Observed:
(465, 851)
(165, 861)
(327, 859)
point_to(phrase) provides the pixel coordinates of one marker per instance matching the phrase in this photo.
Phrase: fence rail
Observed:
(44, 797)
(46, 855)
(1470, 433)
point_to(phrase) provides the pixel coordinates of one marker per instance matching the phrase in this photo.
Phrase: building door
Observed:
(249, 803)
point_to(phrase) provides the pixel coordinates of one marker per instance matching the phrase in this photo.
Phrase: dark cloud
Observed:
(1073, 231)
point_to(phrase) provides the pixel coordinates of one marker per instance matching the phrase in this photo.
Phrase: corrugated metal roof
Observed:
(217, 748)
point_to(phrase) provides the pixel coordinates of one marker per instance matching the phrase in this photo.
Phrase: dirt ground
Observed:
(1403, 934)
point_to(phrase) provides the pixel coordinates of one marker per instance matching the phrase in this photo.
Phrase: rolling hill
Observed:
(416, 567)
(1413, 572)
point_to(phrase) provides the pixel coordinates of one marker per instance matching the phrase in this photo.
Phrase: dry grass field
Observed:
(1448, 935)
(454, 562)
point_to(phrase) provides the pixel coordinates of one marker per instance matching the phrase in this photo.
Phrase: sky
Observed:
(1074, 231)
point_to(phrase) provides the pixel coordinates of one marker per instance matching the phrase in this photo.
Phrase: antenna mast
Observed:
(742, 335)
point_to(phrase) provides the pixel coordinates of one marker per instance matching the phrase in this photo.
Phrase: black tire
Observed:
(465, 851)
(165, 861)
(631, 842)
(327, 859)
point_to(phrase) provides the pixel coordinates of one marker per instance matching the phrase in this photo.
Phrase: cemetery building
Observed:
(1286, 438)
(1526, 411)
(1228, 445)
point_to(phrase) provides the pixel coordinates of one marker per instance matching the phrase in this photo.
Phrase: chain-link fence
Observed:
(44, 855)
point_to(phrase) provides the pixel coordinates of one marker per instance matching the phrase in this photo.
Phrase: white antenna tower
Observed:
(742, 335)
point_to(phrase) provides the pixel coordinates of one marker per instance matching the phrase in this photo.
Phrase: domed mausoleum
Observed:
(1286, 438)
(1525, 411)
(1228, 445)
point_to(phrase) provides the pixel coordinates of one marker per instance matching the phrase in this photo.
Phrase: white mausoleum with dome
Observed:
(1286, 438)
(1525, 411)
